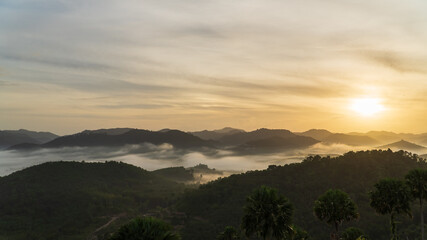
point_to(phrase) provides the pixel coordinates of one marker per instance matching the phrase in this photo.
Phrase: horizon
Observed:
(339, 65)
(214, 129)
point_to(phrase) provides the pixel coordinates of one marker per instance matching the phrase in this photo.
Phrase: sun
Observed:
(367, 106)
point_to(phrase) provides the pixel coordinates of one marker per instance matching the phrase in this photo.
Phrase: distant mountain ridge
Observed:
(12, 137)
(282, 143)
(351, 140)
(403, 145)
(216, 134)
(262, 133)
(120, 137)
(263, 138)
(318, 134)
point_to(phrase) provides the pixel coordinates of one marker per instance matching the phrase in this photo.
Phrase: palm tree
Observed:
(146, 228)
(352, 233)
(335, 207)
(229, 233)
(268, 215)
(300, 234)
(416, 180)
(392, 197)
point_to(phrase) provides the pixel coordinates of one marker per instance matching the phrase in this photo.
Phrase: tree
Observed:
(335, 207)
(146, 228)
(229, 233)
(391, 196)
(352, 233)
(268, 215)
(300, 234)
(416, 180)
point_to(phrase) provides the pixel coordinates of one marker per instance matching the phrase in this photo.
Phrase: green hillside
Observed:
(218, 204)
(70, 200)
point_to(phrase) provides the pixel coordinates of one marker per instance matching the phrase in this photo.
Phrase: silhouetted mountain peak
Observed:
(318, 134)
(124, 136)
(403, 145)
(216, 134)
(108, 131)
(228, 130)
(12, 137)
(352, 140)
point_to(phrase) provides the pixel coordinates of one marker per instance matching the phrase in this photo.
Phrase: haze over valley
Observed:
(229, 149)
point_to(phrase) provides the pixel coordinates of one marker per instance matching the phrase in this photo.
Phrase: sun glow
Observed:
(367, 106)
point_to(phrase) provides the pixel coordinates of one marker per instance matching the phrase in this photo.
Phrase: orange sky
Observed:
(192, 65)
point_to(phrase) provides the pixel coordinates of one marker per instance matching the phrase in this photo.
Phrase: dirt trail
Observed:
(114, 218)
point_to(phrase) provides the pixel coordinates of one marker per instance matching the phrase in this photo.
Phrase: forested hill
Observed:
(71, 200)
(218, 204)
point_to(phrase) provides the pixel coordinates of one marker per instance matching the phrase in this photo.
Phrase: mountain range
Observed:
(230, 138)
(12, 137)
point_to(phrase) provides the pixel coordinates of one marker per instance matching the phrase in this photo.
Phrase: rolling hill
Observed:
(75, 200)
(403, 145)
(318, 134)
(259, 135)
(70, 200)
(216, 134)
(220, 203)
(121, 137)
(351, 140)
(280, 143)
(12, 137)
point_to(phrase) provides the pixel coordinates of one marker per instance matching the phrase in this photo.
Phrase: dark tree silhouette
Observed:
(268, 215)
(417, 182)
(229, 233)
(392, 197)
(300, 234)
(147, 228)
(352, 233)
(335, 207)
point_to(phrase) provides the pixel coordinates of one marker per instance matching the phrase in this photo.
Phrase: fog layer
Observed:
(152, 157)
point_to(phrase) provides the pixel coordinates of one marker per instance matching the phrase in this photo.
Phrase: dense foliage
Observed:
(70, 200)
(352, 233)
(391, 197)
(268, 215)
(229, 233)
(416, 180)
(334, 207)
(147, 228)
(218, 204)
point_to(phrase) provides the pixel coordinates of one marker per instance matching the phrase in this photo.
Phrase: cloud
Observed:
(152, 157)
(398, 62)
(225, 59)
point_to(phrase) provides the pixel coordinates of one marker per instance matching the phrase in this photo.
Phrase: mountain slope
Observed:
(280, 143)
(318, 134)
(403, 145)
(12, 137)
(219, 203)
(351, 140)
(69, 200)
(120, 137)
(263, 133)
(216, 134)
(266, 140)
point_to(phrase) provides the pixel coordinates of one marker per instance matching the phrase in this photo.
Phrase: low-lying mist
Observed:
(152, 157)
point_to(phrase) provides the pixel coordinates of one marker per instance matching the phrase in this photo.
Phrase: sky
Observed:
(70, 65)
